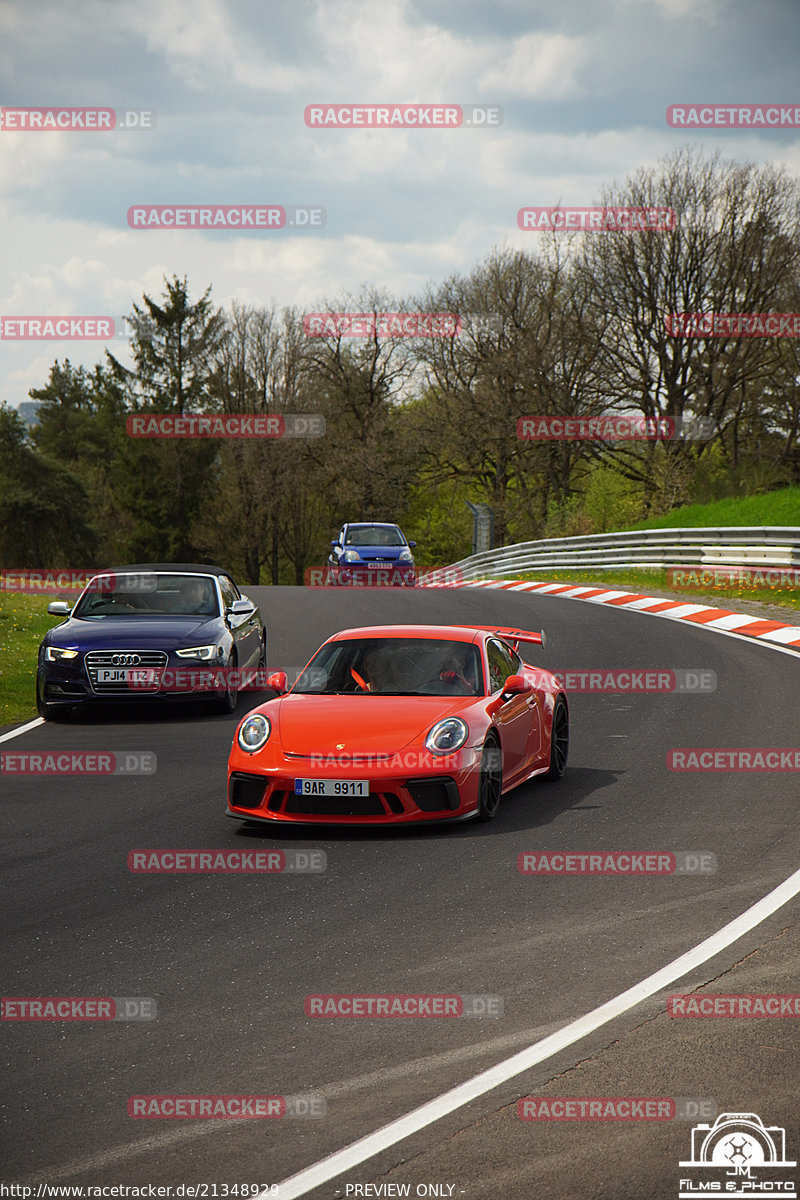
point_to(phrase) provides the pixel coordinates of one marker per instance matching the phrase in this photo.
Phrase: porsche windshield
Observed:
(393, 667)
(148, 594)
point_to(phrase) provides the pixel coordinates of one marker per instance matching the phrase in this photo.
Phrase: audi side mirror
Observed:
(58, 608)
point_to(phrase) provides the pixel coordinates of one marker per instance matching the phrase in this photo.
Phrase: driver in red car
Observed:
(459, 669)
(377, 675)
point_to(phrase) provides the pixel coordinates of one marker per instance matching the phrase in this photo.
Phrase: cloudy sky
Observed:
(583, 85)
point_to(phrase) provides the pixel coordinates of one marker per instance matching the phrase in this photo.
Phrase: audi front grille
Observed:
(124, 659)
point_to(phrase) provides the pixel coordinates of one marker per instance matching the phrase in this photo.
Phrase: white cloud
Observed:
(390, 54)
(543, 66)
(197, 39)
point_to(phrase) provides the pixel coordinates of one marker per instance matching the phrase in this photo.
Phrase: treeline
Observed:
(576, 326)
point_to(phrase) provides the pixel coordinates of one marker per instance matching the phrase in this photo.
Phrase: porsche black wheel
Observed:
(490, 786)
(559, 740)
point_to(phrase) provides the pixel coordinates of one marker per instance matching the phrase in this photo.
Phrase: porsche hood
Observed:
(360, 724)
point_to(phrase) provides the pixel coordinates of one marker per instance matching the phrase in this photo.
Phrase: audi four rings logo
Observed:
(125, 660)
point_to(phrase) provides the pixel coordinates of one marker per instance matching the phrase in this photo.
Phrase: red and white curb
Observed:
(698, 614)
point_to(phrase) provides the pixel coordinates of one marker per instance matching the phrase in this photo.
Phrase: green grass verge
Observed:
(23, 624)
(781, 507)
(655, 579)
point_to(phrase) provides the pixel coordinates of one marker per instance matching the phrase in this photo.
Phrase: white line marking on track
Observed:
(410, 1069)
(396, 1131)
(22, 729)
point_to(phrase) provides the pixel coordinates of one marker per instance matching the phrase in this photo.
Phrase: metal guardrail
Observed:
(738, 545)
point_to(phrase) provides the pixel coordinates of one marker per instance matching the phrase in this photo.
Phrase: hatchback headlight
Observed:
(350, 556)
(405, 556)
(447, 735)
(254, 733)
(56, 654)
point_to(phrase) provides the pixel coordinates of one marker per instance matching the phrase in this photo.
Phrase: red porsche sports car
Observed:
(400, 723)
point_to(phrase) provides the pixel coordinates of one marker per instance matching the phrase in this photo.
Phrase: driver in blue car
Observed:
(196, 597)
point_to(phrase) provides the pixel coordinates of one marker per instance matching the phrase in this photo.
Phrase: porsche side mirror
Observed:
(516, 685)
(276, 682)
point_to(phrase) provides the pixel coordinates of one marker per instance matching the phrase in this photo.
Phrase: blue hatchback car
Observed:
(153, 631)
(372, 554)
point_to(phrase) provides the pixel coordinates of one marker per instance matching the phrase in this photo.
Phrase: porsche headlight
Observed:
(205, 653)
(254, 733)
(56, 654)
(350, 556)
(447, 735)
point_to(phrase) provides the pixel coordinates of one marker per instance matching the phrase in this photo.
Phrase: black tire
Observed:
(490, 784)
(230, 698)
(559, 740)
(49, 712)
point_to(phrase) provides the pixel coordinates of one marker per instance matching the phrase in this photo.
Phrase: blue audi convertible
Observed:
(153, 631)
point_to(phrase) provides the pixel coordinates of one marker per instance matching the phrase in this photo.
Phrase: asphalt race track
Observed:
(230, 958)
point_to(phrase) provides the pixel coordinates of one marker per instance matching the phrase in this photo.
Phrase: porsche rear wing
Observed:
(512, 636)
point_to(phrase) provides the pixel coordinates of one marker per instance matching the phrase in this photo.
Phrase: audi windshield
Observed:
(148, 594)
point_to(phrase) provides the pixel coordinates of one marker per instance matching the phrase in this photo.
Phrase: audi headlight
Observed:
(350, 556)
(205, 653)
(56, 654)
(405, 556)
(447, 735)
(254, 733)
